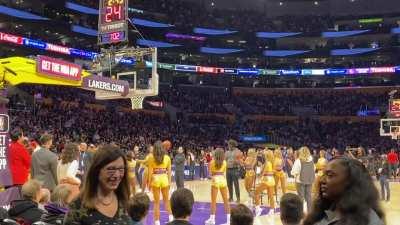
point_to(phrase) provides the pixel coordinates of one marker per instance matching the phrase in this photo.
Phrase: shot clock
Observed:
(113, 25)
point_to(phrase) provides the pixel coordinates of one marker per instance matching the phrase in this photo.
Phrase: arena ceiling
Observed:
(307, 7)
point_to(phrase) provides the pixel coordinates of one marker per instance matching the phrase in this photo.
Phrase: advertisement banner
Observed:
(383, 70)
(58, 68)
(248, 72)
(34, 43)
(11, 38)
(335, 72)
(290, 72)
(185, 68)
(5, 176)
(253, 139)
(204, 69)
(230, 71)
(95, 82)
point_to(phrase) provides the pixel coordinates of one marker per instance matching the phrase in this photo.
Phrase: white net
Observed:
(137, 102)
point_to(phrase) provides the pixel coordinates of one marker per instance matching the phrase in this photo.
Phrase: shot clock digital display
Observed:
(113, 25)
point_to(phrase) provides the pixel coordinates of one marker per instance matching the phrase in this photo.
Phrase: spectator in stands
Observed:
(138, 208)
(182, 201)
(393, 161)
(202, 162)
(383, 177)
(347, 196)
(44, 163)
(105, 195)
(58, 207)
(67, 168)
(232, 157)
(179, 161)
(304, 172)
(26, 210)
(19, 158)
(241, 215)
(291, 206)
(85, 159)
(191, 158)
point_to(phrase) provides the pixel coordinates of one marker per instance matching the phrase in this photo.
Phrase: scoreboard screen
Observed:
(113, 25)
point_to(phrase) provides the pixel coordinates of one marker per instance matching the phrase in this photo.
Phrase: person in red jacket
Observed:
(393, 161)
(18, 158)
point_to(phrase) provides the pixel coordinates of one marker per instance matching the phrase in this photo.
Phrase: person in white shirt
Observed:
(68, 167)
(304, 173)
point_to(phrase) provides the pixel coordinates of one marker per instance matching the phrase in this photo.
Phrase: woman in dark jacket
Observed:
(347, 196)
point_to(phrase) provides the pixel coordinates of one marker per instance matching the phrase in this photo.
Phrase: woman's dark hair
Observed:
(158, 152)
(139, 206)
(182, 201)
(359, 197)
(105, 155)
(69, 153)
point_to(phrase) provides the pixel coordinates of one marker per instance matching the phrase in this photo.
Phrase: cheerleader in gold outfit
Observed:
(217, 168)
(279, 175)
(267, 183)
(250, 164)
(144, 168)
(320, 167)
(159, 169)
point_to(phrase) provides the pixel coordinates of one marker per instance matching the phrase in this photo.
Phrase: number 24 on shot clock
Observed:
(113, 27)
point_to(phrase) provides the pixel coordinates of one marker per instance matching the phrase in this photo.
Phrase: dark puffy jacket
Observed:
(26, 210)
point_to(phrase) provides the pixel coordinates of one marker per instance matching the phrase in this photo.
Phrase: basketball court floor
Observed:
(201, 210)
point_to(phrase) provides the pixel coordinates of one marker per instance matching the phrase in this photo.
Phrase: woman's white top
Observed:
(67, 170)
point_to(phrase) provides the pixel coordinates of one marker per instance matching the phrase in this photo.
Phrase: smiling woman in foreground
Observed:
(347, 196)
(105, 194)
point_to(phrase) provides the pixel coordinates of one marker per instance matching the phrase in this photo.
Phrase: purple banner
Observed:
(5, 175)
(95, 82)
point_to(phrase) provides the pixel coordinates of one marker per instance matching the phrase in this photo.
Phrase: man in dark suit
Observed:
(85, 160)
(44, 163)
(182, 201)
(179, 161)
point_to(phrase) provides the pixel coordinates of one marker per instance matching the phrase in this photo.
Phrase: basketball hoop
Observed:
(137, 102)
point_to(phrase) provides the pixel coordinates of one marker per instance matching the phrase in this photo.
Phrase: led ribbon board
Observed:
(113, 25)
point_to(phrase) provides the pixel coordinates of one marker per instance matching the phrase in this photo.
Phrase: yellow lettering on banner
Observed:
(115, 2)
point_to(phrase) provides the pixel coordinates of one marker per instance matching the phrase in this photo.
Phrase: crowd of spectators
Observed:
(329, 104)
(71, 114)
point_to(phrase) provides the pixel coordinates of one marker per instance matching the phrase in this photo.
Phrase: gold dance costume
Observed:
(218, 175)
(160, 177)
(278, 168)
(268, 175)
(131, 169)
